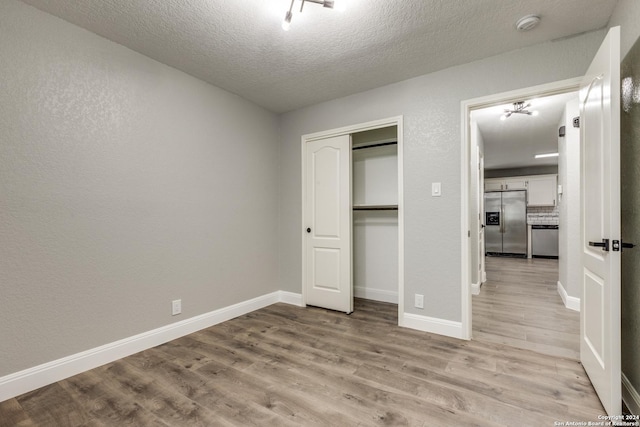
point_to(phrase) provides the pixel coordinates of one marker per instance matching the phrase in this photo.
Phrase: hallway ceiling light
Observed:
(331, 4)
(519, 107)
(542, 156)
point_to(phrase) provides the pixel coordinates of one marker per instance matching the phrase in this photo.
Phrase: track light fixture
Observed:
(286, 23)
(518, 108)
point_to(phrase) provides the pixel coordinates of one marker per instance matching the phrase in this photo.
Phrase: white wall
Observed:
(570, 249)
(477, 147)
(432, 138)
(124, 184)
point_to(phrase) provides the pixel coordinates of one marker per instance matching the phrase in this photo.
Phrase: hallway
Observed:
(519, 305)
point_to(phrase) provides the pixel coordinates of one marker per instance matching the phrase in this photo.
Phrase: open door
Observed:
(327, 216)
(600, 175)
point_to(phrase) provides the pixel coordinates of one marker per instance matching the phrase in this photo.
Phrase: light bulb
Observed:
(503, 117)
(339, 5)
(534, 113)
(286, 24)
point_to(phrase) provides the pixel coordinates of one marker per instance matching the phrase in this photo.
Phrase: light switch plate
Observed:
(436, 189)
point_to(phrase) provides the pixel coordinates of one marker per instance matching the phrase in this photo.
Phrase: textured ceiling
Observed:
(514, 142)
(238, 45)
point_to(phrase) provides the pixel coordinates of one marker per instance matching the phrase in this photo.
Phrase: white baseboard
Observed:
(15, 384)
(475, 289)
(432, 324)
(291, 298)
(376, 294)
(572, 303)
(630, 396)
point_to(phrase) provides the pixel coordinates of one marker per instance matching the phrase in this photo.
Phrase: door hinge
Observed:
(468, 233)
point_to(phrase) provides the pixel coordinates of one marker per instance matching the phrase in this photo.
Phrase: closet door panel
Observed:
(327, 276)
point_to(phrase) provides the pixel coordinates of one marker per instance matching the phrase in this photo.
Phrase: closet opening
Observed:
(352, 215)
(375, 214)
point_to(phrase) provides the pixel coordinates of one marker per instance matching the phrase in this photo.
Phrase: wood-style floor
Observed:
(519, 305)
(286, 365)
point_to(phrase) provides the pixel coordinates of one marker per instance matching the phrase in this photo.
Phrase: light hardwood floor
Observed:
(519, 305)
(286, 365)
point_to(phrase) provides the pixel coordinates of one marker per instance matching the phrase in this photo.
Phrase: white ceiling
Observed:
(238, 45)
(514, 142)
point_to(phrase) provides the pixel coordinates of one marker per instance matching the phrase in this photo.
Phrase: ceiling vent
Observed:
(527, 23)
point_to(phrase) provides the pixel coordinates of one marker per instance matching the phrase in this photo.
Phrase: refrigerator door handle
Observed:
(502, 222)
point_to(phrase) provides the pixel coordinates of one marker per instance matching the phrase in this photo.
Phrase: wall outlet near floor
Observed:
(419, 302)
(176, 307)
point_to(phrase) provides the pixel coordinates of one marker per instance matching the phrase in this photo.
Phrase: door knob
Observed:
(604, 244)
(618, 245)
(308, 230)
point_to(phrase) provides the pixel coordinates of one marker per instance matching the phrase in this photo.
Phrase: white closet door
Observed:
(327, 246)
(600, 303)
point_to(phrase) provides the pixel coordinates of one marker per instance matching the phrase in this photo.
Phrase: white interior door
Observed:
(327, 245)
(600, 174)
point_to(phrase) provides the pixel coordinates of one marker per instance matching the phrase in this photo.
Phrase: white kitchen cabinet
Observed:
(503, 184)
(542, 190)
(493, 184)
(517, 183)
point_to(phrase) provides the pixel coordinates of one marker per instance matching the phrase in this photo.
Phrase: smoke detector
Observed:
(527, 23)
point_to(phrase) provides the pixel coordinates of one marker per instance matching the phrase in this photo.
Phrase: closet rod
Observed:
(381, 144)
(375, 207)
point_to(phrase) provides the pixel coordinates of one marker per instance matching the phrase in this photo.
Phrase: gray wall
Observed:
(626, 15)
(124, 184)
(431, 108)
(630, 207)
(532, 170)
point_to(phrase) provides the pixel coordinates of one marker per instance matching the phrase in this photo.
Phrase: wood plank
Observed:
(287, 365)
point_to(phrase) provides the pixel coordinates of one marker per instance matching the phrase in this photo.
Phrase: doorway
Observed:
(510, 170)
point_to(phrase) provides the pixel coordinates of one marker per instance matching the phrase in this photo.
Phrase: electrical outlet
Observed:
(176, 307)
(419, 302)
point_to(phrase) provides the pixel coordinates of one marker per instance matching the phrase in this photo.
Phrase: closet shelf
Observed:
(375, 207)
(380, 144)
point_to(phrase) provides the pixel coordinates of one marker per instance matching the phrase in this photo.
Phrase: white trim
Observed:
(431, 324)
(376, 294)
(484, 276)
(15, 384)
(347, 130)
(291, 298)
(466, 106)
(475, 289)
(630, 396)
(572, 303)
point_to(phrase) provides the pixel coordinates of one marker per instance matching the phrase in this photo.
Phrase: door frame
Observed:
(466, 106)
(347, 130)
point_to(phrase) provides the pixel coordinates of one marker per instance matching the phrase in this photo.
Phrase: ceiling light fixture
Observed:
(527, 23)
(542, 156)
(331, 4)
(518, 108)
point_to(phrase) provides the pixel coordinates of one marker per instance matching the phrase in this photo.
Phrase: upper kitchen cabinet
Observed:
(505, 184)
(517, 183)
(493, 184)
(542, 190)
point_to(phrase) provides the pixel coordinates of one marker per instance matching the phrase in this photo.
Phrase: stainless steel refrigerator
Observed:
(505, 223)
